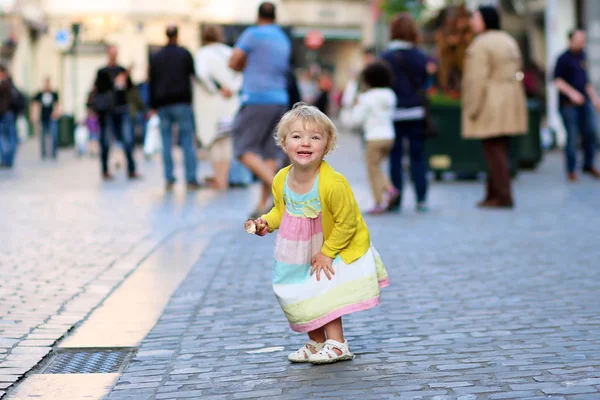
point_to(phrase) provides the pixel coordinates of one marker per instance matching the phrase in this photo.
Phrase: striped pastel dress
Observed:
(307, 303)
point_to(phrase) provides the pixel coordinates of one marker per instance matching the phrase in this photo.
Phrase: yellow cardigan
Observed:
(344, 230)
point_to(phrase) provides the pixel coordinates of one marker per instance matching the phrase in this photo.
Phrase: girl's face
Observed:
(305, 147)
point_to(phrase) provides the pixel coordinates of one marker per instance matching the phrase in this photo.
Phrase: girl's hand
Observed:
(257, 227)
(321, 262)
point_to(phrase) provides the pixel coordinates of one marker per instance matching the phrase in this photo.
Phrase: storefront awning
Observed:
(329, 33)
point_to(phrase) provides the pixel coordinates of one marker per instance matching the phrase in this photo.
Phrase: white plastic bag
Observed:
(22, 128)
(153, 140)
(82, 137)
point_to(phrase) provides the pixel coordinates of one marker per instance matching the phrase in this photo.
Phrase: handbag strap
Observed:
(412, 79)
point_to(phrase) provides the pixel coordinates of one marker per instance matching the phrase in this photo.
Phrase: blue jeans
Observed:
(180, 114)
(49, 128)
(141, 122)
(8, 138)
(580, 119)
(413, 131)
(120, 124)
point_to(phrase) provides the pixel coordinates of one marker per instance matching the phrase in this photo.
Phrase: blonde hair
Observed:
(311, 117)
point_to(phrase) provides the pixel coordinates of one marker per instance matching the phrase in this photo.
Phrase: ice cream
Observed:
(250, 226)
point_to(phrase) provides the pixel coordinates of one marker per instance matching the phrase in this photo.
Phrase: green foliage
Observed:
(393, 7)
(441, 99)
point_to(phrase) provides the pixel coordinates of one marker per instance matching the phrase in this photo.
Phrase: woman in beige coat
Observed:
(493, 101)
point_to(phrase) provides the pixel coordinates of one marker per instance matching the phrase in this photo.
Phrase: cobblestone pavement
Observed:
(483, 305)
(67, 240)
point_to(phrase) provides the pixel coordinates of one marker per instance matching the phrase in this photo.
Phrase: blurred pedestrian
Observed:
(578, 104)
(352, 89)
(171, 71)
(110, 104)
(48, 108)
(8, 132)
(137, 108)
(216, 101)
(493, 101)
(410, 68)
(308, 87)
(374, 112)
(93, 125)
(263, 54)
(319, 222)
(322, 102)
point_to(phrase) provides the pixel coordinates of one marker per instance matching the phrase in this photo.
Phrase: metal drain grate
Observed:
(88, 362)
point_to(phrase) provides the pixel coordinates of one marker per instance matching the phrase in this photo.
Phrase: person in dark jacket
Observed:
(171, 71)
(111, 86)
(578, 104)
(410, 68)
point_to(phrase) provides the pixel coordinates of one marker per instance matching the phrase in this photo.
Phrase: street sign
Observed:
(314, 39)
(62, 38)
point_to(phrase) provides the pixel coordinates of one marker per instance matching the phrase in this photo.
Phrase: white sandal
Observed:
(327, 354)
(302, 354)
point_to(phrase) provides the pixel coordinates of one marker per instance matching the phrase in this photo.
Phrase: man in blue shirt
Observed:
(578, 99)
(262, 52)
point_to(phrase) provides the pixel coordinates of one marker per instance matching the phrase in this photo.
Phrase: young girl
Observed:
(324, 266)
(374, 113)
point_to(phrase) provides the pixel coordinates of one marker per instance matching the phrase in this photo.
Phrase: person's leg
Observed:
(220, 157)
(267, 189)
(374, 155)
(45, 125)
(388, 187)
(3, 140)
(396, 173)
(248, 128)
(166, 133)
(142, 123)
(271, 153)
(54, 136)
(104, 122)
(396, 170)
(588, 129)
(13, 138)
(127, 138)
(571, 123)
(490, 152)
(335, 331)
(496, 152)
(185, 123)
(418, 160)
(490, 194)
(504, 184)
(318, 335)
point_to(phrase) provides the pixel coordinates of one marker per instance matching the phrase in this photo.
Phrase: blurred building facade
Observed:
(36, 36)
(39, 35)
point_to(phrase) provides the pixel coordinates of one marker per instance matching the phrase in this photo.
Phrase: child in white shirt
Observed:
(374, 113)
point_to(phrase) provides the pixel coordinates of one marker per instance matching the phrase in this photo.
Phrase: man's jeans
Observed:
(120, 124)
(49, 128)
(580, 119)
(8, 139)
(180, 114)
(413, 131)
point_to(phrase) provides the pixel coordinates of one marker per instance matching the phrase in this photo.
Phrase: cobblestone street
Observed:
(482, 304)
